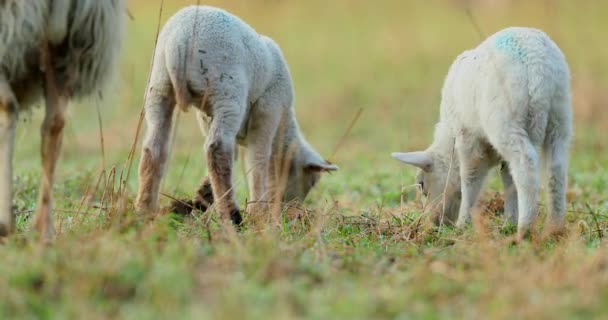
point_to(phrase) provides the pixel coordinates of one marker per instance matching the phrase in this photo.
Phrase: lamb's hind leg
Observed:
(155, 150)
(51, 133)
(8, 119)
(473, 171)
(556, 164)
(219, 148)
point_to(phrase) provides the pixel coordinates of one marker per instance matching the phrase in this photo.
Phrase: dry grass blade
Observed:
(346, 133)
(143, 111)
(101, 138)
(471, 17)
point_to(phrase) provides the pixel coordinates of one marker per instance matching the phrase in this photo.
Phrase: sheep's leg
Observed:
(556, 164)
(510, 194)
(473, 171)
(155, 149)
(261, 133)
(517, 149)
(51, 137)
(220, 150)
(8, 120)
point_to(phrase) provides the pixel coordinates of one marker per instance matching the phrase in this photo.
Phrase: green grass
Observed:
(362, 249)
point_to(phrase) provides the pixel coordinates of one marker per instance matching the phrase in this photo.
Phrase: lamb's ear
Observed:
(420, 159)
(314, 162)
(323, 166)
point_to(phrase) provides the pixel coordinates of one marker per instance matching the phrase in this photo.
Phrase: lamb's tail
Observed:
(548, 79)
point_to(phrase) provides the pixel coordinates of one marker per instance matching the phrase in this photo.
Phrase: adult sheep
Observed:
(241, 86)
(59, 50)
(506, 101)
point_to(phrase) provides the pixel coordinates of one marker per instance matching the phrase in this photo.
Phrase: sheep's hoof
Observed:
(5, 230)
(525, 234)
(461, 224)
(556, 232)
(236, 218)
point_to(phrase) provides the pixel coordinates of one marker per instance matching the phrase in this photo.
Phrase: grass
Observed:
(361, 248)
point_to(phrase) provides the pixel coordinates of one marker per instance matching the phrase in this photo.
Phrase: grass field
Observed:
(361, 251)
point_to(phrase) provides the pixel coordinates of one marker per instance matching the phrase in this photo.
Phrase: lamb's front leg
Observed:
(220, 147)
(473, 171)
(8, 120)
(510, 194)
(262, 129)
(155, 149)
(257, 158)
(517, 149)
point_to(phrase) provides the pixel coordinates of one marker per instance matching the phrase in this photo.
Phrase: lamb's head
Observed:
(306, 167)
(438, 179)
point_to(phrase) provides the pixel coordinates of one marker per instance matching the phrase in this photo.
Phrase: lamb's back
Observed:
(216, 42)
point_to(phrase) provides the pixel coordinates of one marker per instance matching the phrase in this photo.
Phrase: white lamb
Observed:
(241, 87)
(59, 49)
(506, 101)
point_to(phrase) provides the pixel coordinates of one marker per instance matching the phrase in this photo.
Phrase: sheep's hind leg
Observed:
(556, 164)
(155, 149)
(510, 197)
(8, 120)
(219, 148)
(51, 134)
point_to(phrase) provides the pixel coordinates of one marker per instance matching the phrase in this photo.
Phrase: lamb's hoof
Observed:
(236, 218)
(525, 234)
(5, 230)
(461, 224)
(556, 232)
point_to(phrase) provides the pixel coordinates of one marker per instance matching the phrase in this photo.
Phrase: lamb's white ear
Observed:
(420, 159)
(314, 162)
(324, 166)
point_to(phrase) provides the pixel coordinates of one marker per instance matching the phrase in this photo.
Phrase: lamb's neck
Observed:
(444, 146)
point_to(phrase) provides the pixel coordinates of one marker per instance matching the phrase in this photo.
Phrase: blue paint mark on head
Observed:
(506, 42)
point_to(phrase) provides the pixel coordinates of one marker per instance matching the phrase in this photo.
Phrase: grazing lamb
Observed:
(59, 50)
(506, 101)
(241, 86)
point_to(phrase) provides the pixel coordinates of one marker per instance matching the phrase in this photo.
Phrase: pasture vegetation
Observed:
(361, 247)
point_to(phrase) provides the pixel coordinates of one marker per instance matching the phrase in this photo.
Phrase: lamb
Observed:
(59, 50)
(241, 87)
(505, 102)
